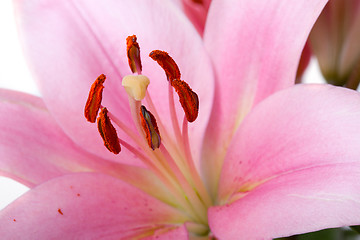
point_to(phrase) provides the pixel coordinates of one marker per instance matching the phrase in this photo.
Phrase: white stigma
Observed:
(136, 86)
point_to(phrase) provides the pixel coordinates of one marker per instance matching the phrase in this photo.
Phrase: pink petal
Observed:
(34, 149)
(300, 201)
(197, 13)
(86, 206)
(70, 43)
(255, 47)
(302, 127)
(172, 234)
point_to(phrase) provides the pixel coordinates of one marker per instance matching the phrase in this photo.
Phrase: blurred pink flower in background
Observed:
(263, 159)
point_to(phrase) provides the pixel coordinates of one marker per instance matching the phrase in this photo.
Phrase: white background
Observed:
(15, 75)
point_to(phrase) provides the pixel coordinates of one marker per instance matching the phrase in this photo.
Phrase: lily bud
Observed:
(335, 42)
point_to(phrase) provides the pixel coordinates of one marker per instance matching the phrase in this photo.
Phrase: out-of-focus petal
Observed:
(301, 127)
(300, 201)
(86, 206)
(255, 47)
(72, 42)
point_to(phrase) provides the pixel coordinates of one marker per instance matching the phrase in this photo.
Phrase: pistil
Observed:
(173, 171)
(136, 86)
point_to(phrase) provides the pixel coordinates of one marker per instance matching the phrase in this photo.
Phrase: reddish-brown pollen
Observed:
(94, 100)
(108, 132)
(133, 53)
(188, 99)
(167, 63)
(149, 125)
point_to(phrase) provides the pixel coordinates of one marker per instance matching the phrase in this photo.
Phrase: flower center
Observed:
(169, 158)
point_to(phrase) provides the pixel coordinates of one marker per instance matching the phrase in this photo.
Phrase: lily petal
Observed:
(297, 202)
(301, 127)
(34, 149)
(197, 12)
(173, 234)
(86, 206)
(255, 47)
(28, 134)
(70, 43)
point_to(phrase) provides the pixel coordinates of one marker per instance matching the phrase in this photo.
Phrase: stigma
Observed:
(136, 86)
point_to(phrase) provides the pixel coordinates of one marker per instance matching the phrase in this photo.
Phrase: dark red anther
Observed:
(133, 53)
(108, 132)
(150, 127)
(94, 100)
(167, 63)
(188, 99)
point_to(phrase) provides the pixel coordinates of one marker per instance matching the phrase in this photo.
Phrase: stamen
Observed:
(108, 132)
(150, 127)
(94, 100)
(188, 99)
(167, 63)
(136, 86)
(133, 52)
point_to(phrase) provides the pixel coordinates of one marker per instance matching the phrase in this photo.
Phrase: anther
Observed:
(108, 132)
(150, 127)
(94, 100)
(133, 53)
(188, 99)
(136, 86)
(167, 63)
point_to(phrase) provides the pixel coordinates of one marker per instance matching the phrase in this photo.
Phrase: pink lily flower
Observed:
(257, 162)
